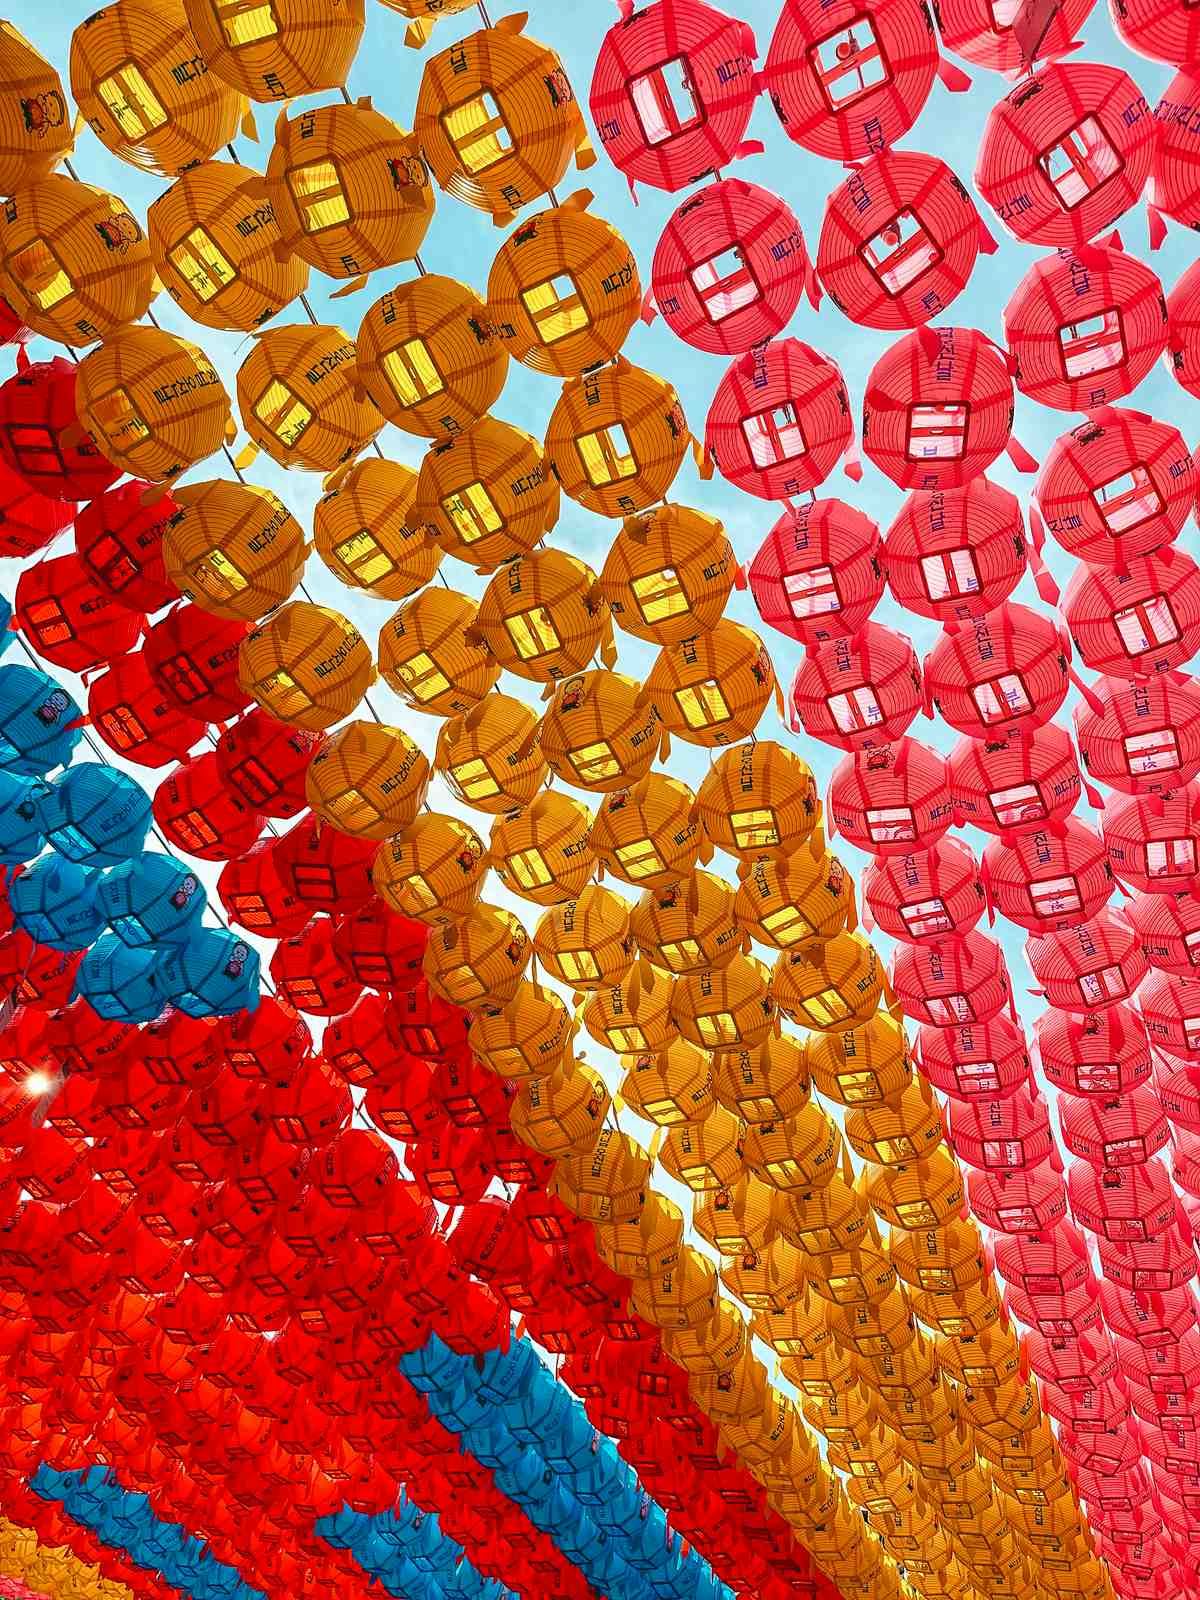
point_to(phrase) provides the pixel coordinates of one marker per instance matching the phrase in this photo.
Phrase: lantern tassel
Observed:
(952, 77)
(1019, 456)
(1156, 225)
(416, 35)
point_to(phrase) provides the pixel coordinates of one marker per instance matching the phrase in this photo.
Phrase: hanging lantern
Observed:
(858, 693)
(831, 986)
(1016, 784)
(970, 28)
(296, 392)
(36, 131)
(1141, 738)
(779, 421)
(954, 554)
(599, 732)
(541, 616)
(731, 1008)
(950, 984)
(818, 574)
(367, 780)
(1002, 1135)
(484, 495)
(498, 121)
(927, 897)
(379, 948)
(1154, 842)
(668, 574)
(326, 869)
(254, 894)
(95, 814)
(807, 896)
(134, 718)
(712, 690)
(54, 902)
(766, 1083)
(74, 263)
(67, 619)
(37, 418)
(29, 521)
(40, 722)
(310, 975)
(647, 835)
(634, 1014)
(669, 1086)
(892, 799)
(975, 1060)
(687, 927)
(306, 665)
(705, 1155)
(1183, 331)
(1084, 334)
(299, 53)
(361, 532)
(153, 401)
(201, 816)
(528, 1036)
(867, 1065)
(759, 799)
(233, 549)
(264, 762)
(616, 439)
(433, 871)
(543, 853)
(119, 541)
(1089, 965)
(561, 1114)
(586, 942)
(491, 757)
(798, 1154)
(1140, 621)
(1162, 32)
(151, 899)
(193, 659)
(1005, 673)
(479, 961)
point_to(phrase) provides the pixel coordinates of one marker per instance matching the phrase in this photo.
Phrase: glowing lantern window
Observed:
(246, 21)
(774, 436)
(361, 555)
(924, 917)
(946, 1010)
(41, 274)
(1000, 698)
(31, 446)
(702, 704)
(464, 982)
(915, 1214)
(199, 262)
(132, 102)
(785, 1174)
(287, 694)
(350, 807)
(194, 829)
(577, 965)
(725, 283)
(595, 762)
(681, 955)
(1080, 162)
(218, 576)
(319, 196)
(813, 593)
(826, 1008)
(478, 132)
(1128, 501)
(313, 883)
(473, 513)
(1055, 897)
(665, 101)
(48, 621)
(626, 1039)
(555, 307)
(858, 708)
(640, 859)
(891, 824)
(787, 925)
(474, 780)
(1170, 858)
(282, 412)
(1143, 626)
(120, 421)
(1094, 345)
(900, 252)
(936, 433)
(718, 1029)
(1022, 803)
(123, 728)
(607, 455)
(411, 372)
(1107, 984)
(529, 868)
(422, 677)
(417, 888)
(1147, 753)
(752, 829)
(660, 595)
(849, 64)
(533, 633)
(950, 573)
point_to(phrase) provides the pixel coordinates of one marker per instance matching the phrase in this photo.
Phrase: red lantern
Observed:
(1118, 486)
(450, 1168)
(1066, 152)
(948, 984)
(380, 948)
(361, 1047)
(270, 1040)
(927, 897)
(79, 1041)
(730, 267)
(999, 674)
(1015, 784)
(193, 658)
(354, 1168)
(1048, 879)
(226, 1113)
(976, 1060)
(255, 896)
(266, 1173)
(1169, 928)
(201, 815)
(938, 408)
(52, 1167)
(899, 240)
(1137, 621)
(1164, 30)
(1027, 1200)
(1002, 1135)
(133, 716)
(1154, 841)
(403, 1104)
(893, 800)
(974, 29)
(398, 1220)
(1117, 1132)
(309, 974)
(325, 868)
(1183, 330)
(426, 1024)
(817, 574)
(67, 619)
(118, 537)
(779, 420)
(1177, 1085)
(672, 91)
(955, 553)
(1084, 333)
(858, 693)
(29, 521)
(265, 761)
(848, 80)
(1177, 151)
(179, 1049)
(1141, 737)
(310, 1106)
(1126, 1203)
(37, 417)
(1089, 966)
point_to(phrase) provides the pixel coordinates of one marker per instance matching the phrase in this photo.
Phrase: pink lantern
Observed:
(1104, 1053)
(1141, 737)
(975, 1060)
(892, 800)
(927, 897)
(860, 692)
(955, 553)
(1050, 878)
(945, 985)
(818, 574)
(1139, 620)
(1016, 784)
(1089, 966)
(1153, 841)
(998, 674)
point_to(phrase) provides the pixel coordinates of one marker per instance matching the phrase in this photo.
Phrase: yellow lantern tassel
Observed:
(352, 287)
(585, 153)
(416, 35)
(249, 126)
(246, 456)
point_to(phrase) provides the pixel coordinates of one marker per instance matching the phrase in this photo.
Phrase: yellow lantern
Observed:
(668, 574)
(767, 1083)
(74, 263)
(726, 1008)
(942, 1259)
(730, 1394)
(233, 549)
(490, 756)
(845, 1417)
(586, 942)
(350, 190)
(716, 1344)
(853, 1276)
(485, 495)
(919, 1194)
(800, 1153)
(808, 896)
(307, 665)
(867, 1065)
(705, 1155)
(562, 1113)
(528, 1037)
(633, 1015)
(296, 49)
(216, 244)
(712, 690)
(905, 1131)
(995, 1414)
(599, 733)
(428, 357)
(154, 403)
(669, 1085)
(541, 616)
(478, 961)
(298, 397)
(616, 439)
(758, 1437)
(141, 79)
(427, 657)
(873, 1328)
(682, 1295)
(647, 835)
(367, 780)
(424, 14)
(737, 1220)
(832, 1217)
(362, 533)
(688, 926)
(542, 853)
(767, 1279)
(989, 1358)
(433, 871)
(498, 121)
(35, 121)
(641, 1246)
(831, 986)
(759, 799)
(564, 290)
(607, 1182)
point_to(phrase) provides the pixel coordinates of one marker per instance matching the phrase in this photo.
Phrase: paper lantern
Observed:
(1047, 880)
(712, 690)
(39, 719)
(301, 51)
(1176, 180)
(36, 131)
(634, 1014)
(94, 814)
(541, 616)
(1082, 334)
(818, 574)
(528, 1036)
(298, 397)
(309, 974)
(1140, 621)
(151, 899)
(860, 1066)
(119, 542)
(858, 693)
(798, 1154)
(431, 656)
(119, 983)
(67, 618)
(29, 521)
(616, 439)
(477, 962)
(362, 534)
(490, 756)
(153, 401)
(668, 574)
(831, 986)
(306, 665)
(646, 835)
(779, 421)
(54, 902)
(21, 835)
(950, 984)
(1166, 925)
(599, 732)
(562, 1113)
(135, 719)
(809, 896)
(1093, 964)
(1127, 1203)
(759, 799)
(74, 263)
(1164, 32)
(687, 927)
(193, 659)
(1141, 738)
(134, 76)
(379, 948)
(1003, 674)
(586, 942)
(927, 897)
(324, 868)
(367, 780)
(891, 799)
(971, 29)
(37, 416)
(668, 1086)
(433, 871)
(497, 120)
(954, 554)
(681, 1297)
(233, 549)
(1016, 784)
(1154, 842)
(200, 815)
(264, 762)
(764, 1083)
(484, 495)
(1000, 1135)
(254, 894)
(728, 1008)
(543, 852)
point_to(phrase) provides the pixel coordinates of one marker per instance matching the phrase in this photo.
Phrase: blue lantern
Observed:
(215, 974)
(96, 815)
(6, 637)
(119, 983)
(35, 722)
(152, 899)
(54, 901)
(21, 836)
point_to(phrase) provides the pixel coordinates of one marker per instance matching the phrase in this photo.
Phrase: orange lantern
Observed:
(633, 1014)
(803, 897)
(758, 799)
(233, 549)
(367, 780)
(705, 1155)
(867, 1065)
(715, 1344)
(35, 121)
(739, 1220)
(599, 733)
(543, 852)
(490, 756)
(298, 397)
(362, 532)
(669, 1085)
(682, 1295)
(801, 1152)
(689, 925)
(561, 1114)
(433, 871)
(295, 50)
(647, 835)
(542, 617)
(478, 961)
(730, 1008)
(427, 657)
(485, 495)
(586, 942)
(668, 574)
(616, 439)
(831, 986)
(905, 1131)
(766, 1084)
(607, 1182)
(640, 1246)
(527, 1037)
(712, 689)
(307, 665)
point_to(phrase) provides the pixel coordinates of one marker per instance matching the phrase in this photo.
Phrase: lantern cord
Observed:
(419, 264)
(233, 155)
(70, 169)
(312, 316)
(487, 21)
(236, 469)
